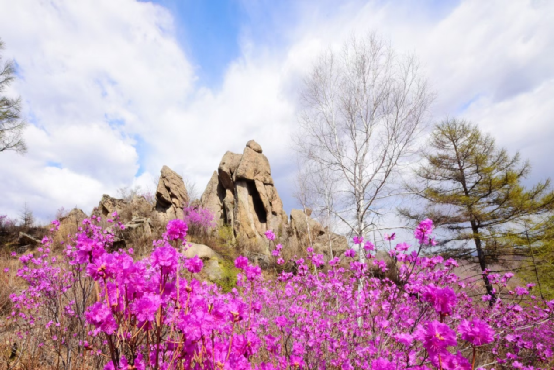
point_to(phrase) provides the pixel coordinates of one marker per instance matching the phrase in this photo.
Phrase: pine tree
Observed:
(473, 189)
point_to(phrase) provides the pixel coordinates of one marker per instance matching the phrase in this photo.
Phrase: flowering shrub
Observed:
(117, 313)
(201, 220)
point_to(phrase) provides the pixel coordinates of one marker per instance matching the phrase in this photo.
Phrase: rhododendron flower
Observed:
(166, 258)
(452, 362)
(241, 262)
(103, 267)
(382, 364)
(350, 253)
(146, 307)
(270, 235)
(194, 264)
(442, 299)
(280, 261)
(423, 231)
(368, 246)
(176, 229)
(252, 272)
(404, 338)
(318, 260)
(435, 336)
(476, 331)
(101, 316)
(402, 247)
(390, 237)
(358, 239)
(275, 252)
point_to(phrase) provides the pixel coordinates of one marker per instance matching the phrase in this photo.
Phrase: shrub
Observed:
(107, 308)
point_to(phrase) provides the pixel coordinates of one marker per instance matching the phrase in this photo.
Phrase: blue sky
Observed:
(115, 89)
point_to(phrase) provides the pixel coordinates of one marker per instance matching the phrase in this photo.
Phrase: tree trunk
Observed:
(482, 262)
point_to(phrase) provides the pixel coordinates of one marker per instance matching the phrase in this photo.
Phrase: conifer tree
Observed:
(473, 189)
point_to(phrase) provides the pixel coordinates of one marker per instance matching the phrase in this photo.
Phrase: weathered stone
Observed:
(211, 198)
(229, 207)
(254, 146)
(202, 251)
(138, 225)
(171, 195)
(74, 217)
(227, 167)
(253, 166)
(108, 205)
(26, 239)
(243, 195)
(306, 230)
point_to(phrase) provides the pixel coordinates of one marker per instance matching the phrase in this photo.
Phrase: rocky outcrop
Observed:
(74, 218)
(109, 205)
(26, 239)
(307, 231)
(140, 225)
(171, 195)
(242, 194)
(211, 259)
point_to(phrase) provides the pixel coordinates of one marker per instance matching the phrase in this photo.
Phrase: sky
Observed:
(115, 89)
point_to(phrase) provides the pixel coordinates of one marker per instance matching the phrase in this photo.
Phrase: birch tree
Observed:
(362, 109)
(11, 125)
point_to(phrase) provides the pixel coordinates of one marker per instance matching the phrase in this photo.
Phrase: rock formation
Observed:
(305, 230)
(73, 218)
(242, 194)
(171, 195)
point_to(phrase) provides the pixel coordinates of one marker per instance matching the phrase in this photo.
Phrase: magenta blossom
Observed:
(390, 237)
(101, 316)
(442, 299)
(436, 337)
(358, 239)
(476, 331)
(270, 235)
(177, 229)
(369, 246)
(194, 264)
(241, 262)
(166, 258)
(423, 231)
(402, 247)
(350, 253)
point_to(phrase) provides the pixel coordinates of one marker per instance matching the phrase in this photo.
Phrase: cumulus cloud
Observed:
(112, 97)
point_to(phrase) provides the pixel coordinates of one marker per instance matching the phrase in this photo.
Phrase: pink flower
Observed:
(241, 262)
(390, 237)
(382, 364)
(442, 299)
(436, 337)
(476, 331)
(358, 239)
(350, 253)
(270, 235)
(166, 258)
(194, 264)
(176, 229)
(423, 231)
(404, 338)
(368, 246)
(402, 247)
(101, 316)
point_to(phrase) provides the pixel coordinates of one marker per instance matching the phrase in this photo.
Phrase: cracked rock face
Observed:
(171, 195)
(242, 194)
